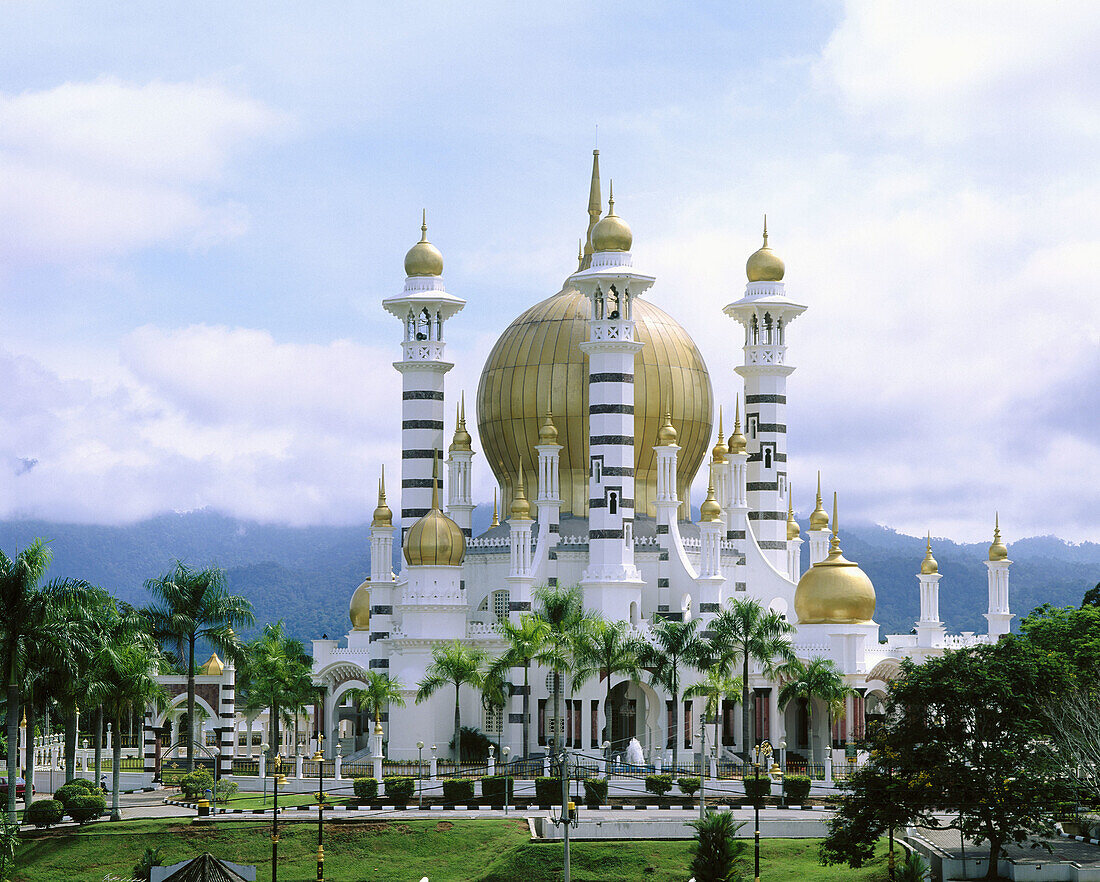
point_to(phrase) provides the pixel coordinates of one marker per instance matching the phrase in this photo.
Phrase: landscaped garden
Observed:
(442, 850)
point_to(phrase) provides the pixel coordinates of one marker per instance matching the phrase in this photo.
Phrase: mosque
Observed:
(595, 414)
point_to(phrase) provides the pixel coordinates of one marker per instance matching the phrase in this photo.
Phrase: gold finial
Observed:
(521, 508)
(719, 451)
(423, 259)
(610, 197)
(738, 441)
(424, 225)
(819, 520)
(834, 543)
(710, 511)
(462, 439)
(612, 233)
(383, 517)
(580, 255)
(763, 264)
(928, 566)
(595, 208)
(666, 435)
(496, 518)
(548, 434)
(765, 229)
(792, 524)
(997, 550)
(435, 480)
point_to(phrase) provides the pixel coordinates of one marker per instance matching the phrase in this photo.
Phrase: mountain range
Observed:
(305, 575)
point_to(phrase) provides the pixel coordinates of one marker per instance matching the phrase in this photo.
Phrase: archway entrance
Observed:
(627, 712)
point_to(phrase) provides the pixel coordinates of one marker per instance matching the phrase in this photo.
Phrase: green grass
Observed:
(256, 799)
(444, 851)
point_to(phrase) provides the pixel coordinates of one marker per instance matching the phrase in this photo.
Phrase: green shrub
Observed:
(83, 809)
(758, 788)
(547, 791)
(717, 850)
(225, 789)
(84, 784)
(196, 783)
(689, 785)
(475, 745)
(913, 868)
(658, 784)
(492, 788)
(366, 788)
(400, 789)
(595, 792)
(45, 813)
(68, 792)
(458, 791)
(796, 787)
(143, 869)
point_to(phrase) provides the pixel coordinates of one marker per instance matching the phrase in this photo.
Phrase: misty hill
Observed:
(305, 575)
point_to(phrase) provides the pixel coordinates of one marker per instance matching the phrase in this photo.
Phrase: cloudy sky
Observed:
(202, 204)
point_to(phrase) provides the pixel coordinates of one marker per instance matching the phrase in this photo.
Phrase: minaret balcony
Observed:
(611, 330)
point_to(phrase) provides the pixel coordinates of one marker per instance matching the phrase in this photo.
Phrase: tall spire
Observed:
(738, 441)
(719, 451)
(819, 520)
(834, 543)
(521, 508)
(435, 480)
(462, 439)
(383, 517)
(594, 209)
(496, 517)
(765, 231)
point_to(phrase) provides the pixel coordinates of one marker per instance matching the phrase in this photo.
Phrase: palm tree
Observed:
(526, 639)
(748, 633)
(674, 645)
(604, 650)
(821, 679)
(275, 672)
(379, 692)
(453, 665)
(716, 685)
(194, 605)
(32, 622)
(562, 611)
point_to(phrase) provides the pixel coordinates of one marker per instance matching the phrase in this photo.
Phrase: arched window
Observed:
(501, 600)
(767, 457)
(613, 503)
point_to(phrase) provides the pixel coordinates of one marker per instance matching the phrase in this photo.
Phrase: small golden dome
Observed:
(383, 517)
(710, 511)
(213, 667)
(834, 591)
(548, 432)
(718, 453)
(359, 609)
(611, 232)
(434, 540)
(792, 525)
(521, 508)
(461, 440)
(424, 259)
(819, 520)
(928, 566)
(666, 435)
(763, 264)
(738, 442)
(997, 551)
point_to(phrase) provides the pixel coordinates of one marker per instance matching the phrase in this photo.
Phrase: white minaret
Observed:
(765, 312)
(999, 616)
(929, 627)
(666, 507)
(460, 456)
(720, 472)
(612, 583)
(819, 529)
(794, 542)
(423, 307)
(549, 488)
(711, 531)
(520, 539)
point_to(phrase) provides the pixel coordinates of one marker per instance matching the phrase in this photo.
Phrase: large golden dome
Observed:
(359, 608)
(539, 357)
(834, 591)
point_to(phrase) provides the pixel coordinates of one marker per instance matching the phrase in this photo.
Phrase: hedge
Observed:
(68, 792)
(595, 792)
(195, 784)
(547, 791)
(659, 784)
(458, 791)
(758, 788)
(83, 809)
(365, 788)
(492, 788)
(45, 813)
(689, 785)
(400, 789)
(796, 787)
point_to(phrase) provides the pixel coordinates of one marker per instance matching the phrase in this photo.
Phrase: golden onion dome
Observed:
(359, 609)
(548, 433)
(383, 517)
(461, 441)
(929, 566)
(213, 667)
(763, 264)
(434, 540)
(521, 508)
(666, 435)
(738, 442)
(611, 232)
(834, 591)
(539, 357)
(710, 511)
(997, 551)
(793, 530)
(819, 520)
(424, 259)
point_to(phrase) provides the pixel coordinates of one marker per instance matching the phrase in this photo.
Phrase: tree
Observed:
(192, 605)
(380, 692)
(717, 850)
(1072, 633)
(32, 622)
(747, 633)
(526, 639)
(674, 645)
(604, 650)
(962, 736)
(716, 685)
(820, 679)
(453, 664)
(277, 670)
(562, 611)
(1092, 596)
(1073, 720)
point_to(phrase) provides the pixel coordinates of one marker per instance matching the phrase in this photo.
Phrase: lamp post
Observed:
(782, 772)
(504, 753)
(319, 758)
(764, 749)
(703, 771)
(84, 757)
(263, 749)
(420, 774)
(275, 772)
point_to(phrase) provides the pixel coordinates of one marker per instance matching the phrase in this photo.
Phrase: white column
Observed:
(999, 616)
(460, 503)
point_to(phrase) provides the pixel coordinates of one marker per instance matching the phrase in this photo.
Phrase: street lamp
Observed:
(263, 749)
(276, 772)
(504, 753)
(319, 758)
(762, 750)
(703, 770)
(420, 774)
(84, 756)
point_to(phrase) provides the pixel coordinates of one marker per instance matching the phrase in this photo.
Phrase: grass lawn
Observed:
(444, 851)
(250, 800)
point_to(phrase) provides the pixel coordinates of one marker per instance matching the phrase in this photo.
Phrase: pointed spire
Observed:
(928, 566)
(819, 520)
(383, 517)
(997, 550)
(521, 508)
(548, 434)
(792, 525)
(666, 435)
(462, 439)
(496, 518)
(580, 255)
(595, 208)
(435, 480)
(710, 511)
(738, 441)
(424, 225)
(719, 451)
(765, 230)
(834, 543)
(611, 198)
